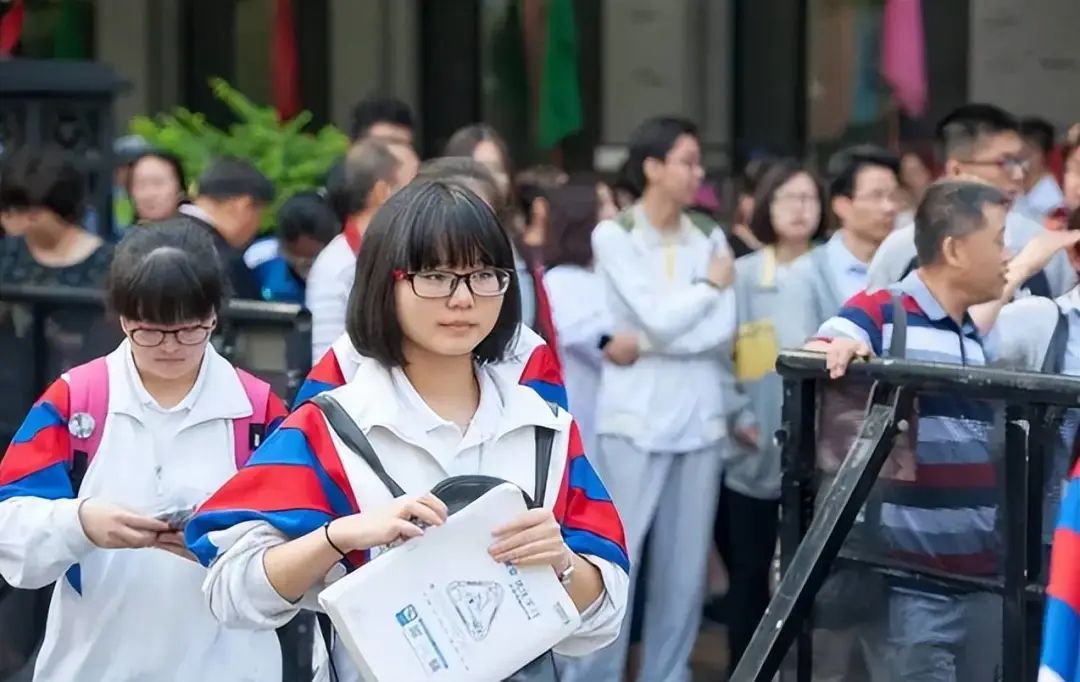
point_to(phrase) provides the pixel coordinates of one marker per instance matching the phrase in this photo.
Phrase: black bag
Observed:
(23, 612)
(456, 492)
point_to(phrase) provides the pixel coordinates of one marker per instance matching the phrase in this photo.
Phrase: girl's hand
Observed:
(533, 539)
(173, 543)
(397, 520)
(110, 526)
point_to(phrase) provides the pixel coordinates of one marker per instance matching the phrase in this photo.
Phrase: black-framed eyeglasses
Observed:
(443, 283)
(185, 336)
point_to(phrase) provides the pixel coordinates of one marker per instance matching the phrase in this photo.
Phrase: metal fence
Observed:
(828, 511)
(45, 331)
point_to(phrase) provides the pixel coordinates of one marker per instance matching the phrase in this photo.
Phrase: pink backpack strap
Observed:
(88, 387)
(248, 431)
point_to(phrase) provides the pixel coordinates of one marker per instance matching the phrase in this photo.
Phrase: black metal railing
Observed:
(55, 328)
(817, 519)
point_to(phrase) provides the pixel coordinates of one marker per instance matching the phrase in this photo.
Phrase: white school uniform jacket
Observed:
(672, 398)
(127, 614)
(581, 319)
(303, 476)
(529, 361)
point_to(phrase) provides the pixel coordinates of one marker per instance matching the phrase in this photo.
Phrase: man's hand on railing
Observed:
(839, 353)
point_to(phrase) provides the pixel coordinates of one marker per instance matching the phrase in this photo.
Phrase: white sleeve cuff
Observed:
(66, 515)
(603, 619)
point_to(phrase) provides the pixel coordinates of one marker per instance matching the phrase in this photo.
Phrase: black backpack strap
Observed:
(1054, 360)
(912, 265)
(898, 342)
(326, 629)
(354, 439)
(545, 438)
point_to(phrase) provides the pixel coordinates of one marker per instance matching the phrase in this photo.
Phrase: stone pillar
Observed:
(121, 40)
(667, 57)
(1025, 57)
(141, 40)
(374, 47)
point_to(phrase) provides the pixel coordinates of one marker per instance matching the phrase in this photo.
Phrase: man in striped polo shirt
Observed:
(946, 518)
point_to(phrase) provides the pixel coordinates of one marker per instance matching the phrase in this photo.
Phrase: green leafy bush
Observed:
(293, 159)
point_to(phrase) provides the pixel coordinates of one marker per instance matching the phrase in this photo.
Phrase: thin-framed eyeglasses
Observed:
(800, 200)
(880, 196)
(1009, 164)
(485, 282)
(185, 336)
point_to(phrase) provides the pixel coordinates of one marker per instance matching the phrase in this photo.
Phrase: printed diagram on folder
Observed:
(476, 603)
(460, 616)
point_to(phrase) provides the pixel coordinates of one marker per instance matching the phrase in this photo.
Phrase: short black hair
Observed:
(307, 213)
(951, 209)
(463, 169)
(1039, 132)
(229, 177)
(367, 162)
(166, 273)
(959, 132)
(654, 139)
(776, 177)
(378, 109)
(43, 177)
(573, 209)
(425, 225)
(845, 165)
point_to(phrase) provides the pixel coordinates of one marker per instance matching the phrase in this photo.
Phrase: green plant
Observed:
(293, 159)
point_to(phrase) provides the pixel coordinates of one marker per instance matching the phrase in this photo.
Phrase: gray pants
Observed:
(939, 638)
(674, 494)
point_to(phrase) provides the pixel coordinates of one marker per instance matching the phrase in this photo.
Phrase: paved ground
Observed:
(711, 654)
(709, 660)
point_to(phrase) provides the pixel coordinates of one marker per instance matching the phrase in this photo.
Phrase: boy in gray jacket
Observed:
(863, 196)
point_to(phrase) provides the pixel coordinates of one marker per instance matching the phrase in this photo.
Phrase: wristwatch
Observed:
(605, 339)
(566, 574)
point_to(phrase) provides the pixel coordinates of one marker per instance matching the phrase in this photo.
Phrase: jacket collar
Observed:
(381, 397)
(1069, 302)
(914, 286)
(217, 394)
(653, 237)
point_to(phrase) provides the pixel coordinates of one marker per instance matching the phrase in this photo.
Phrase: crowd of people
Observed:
(459, 306)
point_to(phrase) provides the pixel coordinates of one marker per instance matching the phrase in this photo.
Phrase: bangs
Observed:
(428, 224)
(168, 287)
(457, 234)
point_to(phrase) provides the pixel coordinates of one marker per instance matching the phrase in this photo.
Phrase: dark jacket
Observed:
(242, 280)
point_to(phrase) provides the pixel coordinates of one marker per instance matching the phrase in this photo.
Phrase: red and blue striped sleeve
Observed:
(325, 376)
(276, 411)
(543, 374)
(590, 523)
(861, 319)
(294, 481)
(37, 462)
(1061, 625)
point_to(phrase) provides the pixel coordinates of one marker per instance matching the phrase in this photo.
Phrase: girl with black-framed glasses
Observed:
(109, 465)
(438, 311)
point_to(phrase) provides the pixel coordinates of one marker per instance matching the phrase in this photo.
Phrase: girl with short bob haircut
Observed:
(115, 456)
(530, 362)
(437, 311)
